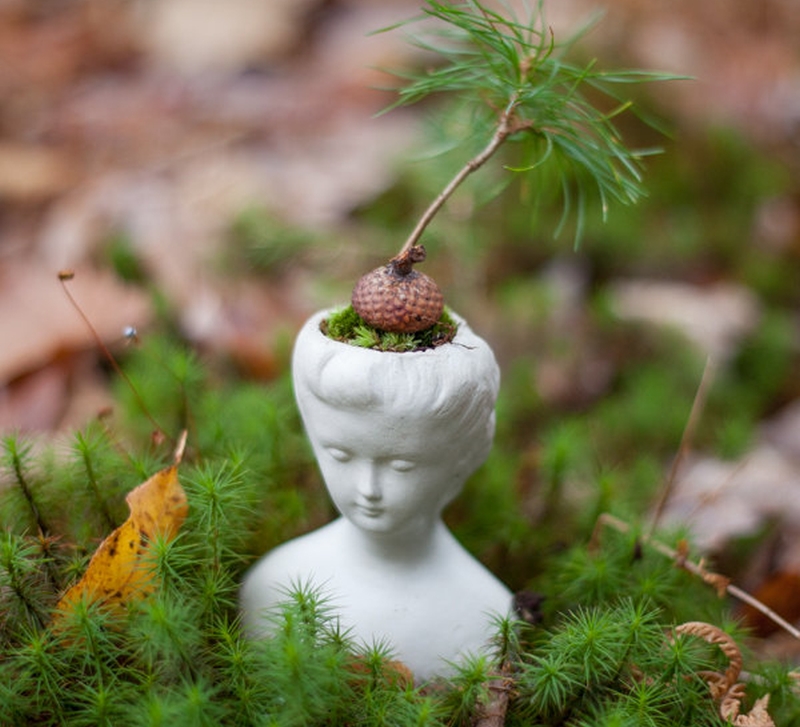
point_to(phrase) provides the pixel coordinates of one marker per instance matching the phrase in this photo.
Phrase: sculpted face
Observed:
(385, 472)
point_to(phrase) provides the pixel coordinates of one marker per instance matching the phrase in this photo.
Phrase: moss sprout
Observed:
(347, 326)
(180, 657)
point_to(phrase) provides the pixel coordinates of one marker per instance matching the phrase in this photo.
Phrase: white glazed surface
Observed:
(391, 462)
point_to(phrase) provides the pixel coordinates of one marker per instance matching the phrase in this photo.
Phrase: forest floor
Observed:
(221, 167)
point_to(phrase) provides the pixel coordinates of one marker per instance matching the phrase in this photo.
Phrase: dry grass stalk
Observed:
(698, 404)
(720, 583)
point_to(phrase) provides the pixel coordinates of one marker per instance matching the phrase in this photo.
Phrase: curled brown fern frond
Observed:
(731, 703)
(758, 716)
(714, 635)
(724, 687)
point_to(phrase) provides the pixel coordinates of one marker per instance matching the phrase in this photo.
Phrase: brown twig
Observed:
(180, 447)
(492, 711)
(721, 583)
(64, 277)
(686, 438)
(505, 127)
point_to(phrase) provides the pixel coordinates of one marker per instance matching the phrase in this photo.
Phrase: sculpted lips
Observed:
(368, 510)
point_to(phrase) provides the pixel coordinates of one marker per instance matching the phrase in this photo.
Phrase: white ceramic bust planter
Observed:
(395, 435)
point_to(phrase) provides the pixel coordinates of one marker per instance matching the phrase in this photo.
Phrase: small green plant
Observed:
(515, 86)
(605, 651)
(347, 326)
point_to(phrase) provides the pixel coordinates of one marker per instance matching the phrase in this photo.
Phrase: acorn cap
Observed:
(397, 298)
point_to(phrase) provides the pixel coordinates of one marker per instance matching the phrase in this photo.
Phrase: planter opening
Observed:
(347, 326)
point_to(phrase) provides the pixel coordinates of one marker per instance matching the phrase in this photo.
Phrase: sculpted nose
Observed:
(369, 486)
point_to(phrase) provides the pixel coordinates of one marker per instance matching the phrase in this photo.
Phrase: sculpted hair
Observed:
(456, 383)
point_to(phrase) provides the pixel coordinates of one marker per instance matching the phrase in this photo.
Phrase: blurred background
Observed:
(217, 171)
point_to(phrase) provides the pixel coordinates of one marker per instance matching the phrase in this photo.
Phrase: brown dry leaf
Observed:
(32, 173)
(193, 36)
(758, 716)
(714, 318)
(38, 325)
(781, 593)
(119, 570)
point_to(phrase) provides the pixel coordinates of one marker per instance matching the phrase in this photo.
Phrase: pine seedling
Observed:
(515, 85)
(514, 75)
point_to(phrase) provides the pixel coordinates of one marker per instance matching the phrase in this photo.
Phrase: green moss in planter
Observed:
(347, 326)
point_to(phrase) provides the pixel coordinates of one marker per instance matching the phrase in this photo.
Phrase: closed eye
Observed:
(340, 455)
(401, 465)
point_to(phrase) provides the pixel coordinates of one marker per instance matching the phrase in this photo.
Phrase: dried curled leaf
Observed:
(714, 635)
(724, 687)
(119, 570)
(731, 703)
(758, 716)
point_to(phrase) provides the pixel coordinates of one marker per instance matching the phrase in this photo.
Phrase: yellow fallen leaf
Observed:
(119, 570)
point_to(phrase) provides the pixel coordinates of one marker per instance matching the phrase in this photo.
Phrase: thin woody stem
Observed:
(686, 439)
(491, 712)
(64, 277)
(721, 583)
(505, 127)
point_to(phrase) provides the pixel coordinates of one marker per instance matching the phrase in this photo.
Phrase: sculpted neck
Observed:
(406, 548)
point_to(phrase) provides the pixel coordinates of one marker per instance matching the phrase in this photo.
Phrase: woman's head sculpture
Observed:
(395, 435)
(450, 390)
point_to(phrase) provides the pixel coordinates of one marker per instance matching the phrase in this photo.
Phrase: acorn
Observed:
(398, 299)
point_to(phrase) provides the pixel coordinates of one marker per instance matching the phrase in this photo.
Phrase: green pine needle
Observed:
(516, 73)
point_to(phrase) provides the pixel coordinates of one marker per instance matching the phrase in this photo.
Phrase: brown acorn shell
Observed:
(397, 299)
